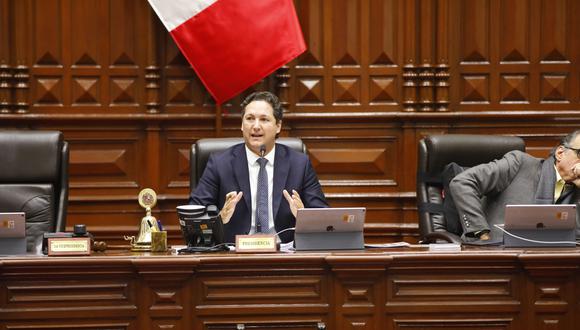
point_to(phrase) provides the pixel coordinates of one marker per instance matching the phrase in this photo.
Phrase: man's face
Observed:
(568, 162)
(259, 126)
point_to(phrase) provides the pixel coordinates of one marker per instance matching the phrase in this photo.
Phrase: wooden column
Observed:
(5, 71)
(410, 53)
(426, 51)
(22, 23)
(442, 55)
(152, 70)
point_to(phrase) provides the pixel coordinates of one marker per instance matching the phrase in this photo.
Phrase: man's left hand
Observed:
(294, 201)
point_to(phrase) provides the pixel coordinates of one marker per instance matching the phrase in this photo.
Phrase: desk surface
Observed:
(410, 288)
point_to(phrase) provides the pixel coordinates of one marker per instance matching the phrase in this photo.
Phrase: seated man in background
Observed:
(247, 181)
(482, 192)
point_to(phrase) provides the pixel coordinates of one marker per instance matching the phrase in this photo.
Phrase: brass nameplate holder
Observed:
(255, 243)
(69, 246)
(147, 200)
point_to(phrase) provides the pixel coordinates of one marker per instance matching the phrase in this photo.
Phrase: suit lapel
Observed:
(241, 172)
(545, 191)
(281, 170)
(567, 196)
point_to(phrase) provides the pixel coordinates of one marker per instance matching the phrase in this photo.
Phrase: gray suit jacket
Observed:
(482, 192)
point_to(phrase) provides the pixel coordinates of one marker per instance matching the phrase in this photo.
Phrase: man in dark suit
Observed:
(232, 179)
(482, 192)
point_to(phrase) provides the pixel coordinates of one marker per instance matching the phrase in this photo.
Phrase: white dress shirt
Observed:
(254, 168)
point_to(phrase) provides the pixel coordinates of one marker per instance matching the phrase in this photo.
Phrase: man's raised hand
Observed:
(232, 199)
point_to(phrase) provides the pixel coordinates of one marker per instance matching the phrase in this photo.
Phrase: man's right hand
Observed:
(232, 199)
(576, 171)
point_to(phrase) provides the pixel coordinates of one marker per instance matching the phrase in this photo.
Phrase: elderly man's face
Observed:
(259, 126)
(568, 162)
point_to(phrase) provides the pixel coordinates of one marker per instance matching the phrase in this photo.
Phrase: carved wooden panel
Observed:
(513, 54)
(261, 290)
(356, 67)
(100, 165)
(399, 288)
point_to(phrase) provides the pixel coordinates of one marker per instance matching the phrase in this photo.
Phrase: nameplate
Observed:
(255, 243)
(69, 246)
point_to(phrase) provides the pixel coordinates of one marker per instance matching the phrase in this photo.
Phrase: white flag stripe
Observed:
(175, 12)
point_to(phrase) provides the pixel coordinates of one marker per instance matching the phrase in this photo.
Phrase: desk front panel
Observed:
(388, 289)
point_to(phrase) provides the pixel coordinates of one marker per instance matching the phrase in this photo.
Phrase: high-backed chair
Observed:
(34, 180)
(200, 151)
(435, 152)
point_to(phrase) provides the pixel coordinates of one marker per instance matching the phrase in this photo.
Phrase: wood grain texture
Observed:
(376, 77)
(398, 288)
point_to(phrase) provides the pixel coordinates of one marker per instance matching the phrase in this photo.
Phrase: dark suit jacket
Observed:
(482, 192)
(228, 171)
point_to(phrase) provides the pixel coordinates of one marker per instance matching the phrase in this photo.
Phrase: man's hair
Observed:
(266, 97)
(566, 140)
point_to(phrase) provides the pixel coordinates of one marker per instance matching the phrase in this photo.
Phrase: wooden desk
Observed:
(406, 288)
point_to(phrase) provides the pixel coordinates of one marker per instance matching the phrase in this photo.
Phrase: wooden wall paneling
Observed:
(176, 141)
(384, 56)
(306, 75)
(89, 60)
(470, 28)
(128, 57)
(514, 55)
(108, 167)
(554, 54)
(5, 58)
(410, 75)
(21, 44)
(110, 77)
(441, 78)
(574, 34)
(49, 70)
(427, 54)
(153, 63)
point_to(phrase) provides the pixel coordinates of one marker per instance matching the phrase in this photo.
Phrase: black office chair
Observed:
(200, 151)
(435, 152)
(34, 180)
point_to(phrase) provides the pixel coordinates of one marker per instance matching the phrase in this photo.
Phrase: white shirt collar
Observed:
(252, 157)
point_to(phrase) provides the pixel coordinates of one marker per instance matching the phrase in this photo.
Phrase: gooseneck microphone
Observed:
(262, 150)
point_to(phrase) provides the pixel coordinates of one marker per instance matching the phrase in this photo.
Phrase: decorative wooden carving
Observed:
(5, 88)
(282, 88)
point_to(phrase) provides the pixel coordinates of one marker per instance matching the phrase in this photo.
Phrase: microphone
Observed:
(262, 150)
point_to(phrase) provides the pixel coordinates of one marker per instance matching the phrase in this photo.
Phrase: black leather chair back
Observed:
(200, 151)
(34, 180)
(435, 152)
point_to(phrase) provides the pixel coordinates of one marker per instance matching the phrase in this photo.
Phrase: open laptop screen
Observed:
(337, 219)
(12, 225)
(540, 216)
(330, 229)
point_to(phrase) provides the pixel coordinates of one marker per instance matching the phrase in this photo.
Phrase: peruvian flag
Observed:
(232, 44)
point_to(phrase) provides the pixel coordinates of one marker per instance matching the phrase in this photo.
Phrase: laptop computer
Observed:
(12, 233)
(542, 224)
(339, 228)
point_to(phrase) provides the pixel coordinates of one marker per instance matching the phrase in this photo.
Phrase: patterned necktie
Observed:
(262, 198)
